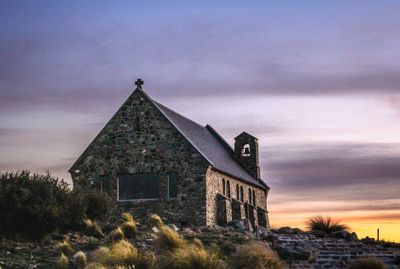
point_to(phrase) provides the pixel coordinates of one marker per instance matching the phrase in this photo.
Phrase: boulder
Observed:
(340, 234)
(319, 234)
(285, 230)
(238, 225)
(295, 253)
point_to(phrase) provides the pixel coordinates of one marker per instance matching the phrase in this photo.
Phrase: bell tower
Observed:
(246, 153)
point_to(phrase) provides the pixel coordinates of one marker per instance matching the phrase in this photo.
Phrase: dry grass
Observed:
(127, 217)
(155, 220)
(120, 253)
(93, 228)
(129, 228)
(117, 234)
(327, 225)
(367, 263)
(254, 256)
(168, 240)
(63, 262)
(80, 260)
(95, 265)
(191, 257)
(65, 247)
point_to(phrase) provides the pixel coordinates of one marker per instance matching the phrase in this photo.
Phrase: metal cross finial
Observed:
(139, 82)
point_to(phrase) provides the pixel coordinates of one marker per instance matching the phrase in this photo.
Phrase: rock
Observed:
(297, 231)
(353, 237)
(295, 253)
(238, 225)
(173, 227)
(340, 234)
(285, 230)
(155, 229)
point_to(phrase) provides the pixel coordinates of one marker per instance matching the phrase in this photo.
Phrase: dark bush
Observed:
(327, 225)
(33, 205)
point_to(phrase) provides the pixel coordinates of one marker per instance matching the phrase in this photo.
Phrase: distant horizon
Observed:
(317, 84)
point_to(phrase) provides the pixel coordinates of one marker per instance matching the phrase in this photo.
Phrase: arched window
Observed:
(237, 192)
(223, 187)
(249, 199)
(228, 189)
(246, 150)
(241, 193)
(254, 198)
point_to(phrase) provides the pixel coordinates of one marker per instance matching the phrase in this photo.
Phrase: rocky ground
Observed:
(299, 249)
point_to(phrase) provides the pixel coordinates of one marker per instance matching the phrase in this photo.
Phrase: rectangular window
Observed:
(105, 184)
(172, 185)
(138, 187)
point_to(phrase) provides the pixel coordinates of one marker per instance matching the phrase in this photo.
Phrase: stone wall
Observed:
(214, 183)
(139, 139)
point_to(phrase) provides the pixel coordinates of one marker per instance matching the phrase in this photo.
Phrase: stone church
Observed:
(150, 157)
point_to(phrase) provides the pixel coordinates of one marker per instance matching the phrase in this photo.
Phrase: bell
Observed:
(246, 151)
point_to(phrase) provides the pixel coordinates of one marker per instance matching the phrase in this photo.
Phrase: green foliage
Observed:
(327, 225)
(168, 240)
(191, 257)
(254, 256)
(63, 262)
(33, 205)
(155, 220)
(80, 260)
(367, 263)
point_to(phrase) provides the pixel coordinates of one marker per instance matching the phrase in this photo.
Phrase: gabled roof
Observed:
(209, 143)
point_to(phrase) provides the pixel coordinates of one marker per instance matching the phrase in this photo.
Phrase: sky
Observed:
(318, 82)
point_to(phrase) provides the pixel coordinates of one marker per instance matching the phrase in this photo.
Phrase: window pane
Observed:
(172, 185)
(139, 186)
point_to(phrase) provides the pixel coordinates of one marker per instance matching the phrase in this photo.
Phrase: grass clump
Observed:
(327, 225)
(191, 257)
(168, 240)
(63, 262)
(367, 263)
(65, 247)
(127, 217)
(155, 220)
(121, 253)
(80, 260)
(117, 234)
(254, 256)
(93, 228)
(95, 265)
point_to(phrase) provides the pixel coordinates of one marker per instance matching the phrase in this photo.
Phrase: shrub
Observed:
(30, 204)
(80, 259)
(129, 228)
(155, 220)
(93, 228)
(254, 256)
(63, 262)
(65, 247)
(97, 204)
(168, 239)
(367, 263)
(191, 257)
(327, 225)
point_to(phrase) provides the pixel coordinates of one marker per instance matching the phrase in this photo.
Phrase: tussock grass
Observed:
(127, 217)
(155, 220)
(95, 265)
(168, 240)
(191, 257)
(254, 256)
(129, 229)
(120, 253)
(327, 225)
(80, 260)
(146, 261)
(93, 228)
(367, 263)
(65, 247)
(63, 262)
(117, 234)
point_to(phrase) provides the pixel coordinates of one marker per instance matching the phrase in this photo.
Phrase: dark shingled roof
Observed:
(209, 143)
